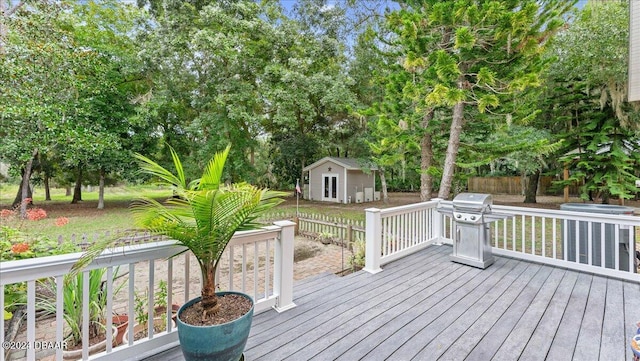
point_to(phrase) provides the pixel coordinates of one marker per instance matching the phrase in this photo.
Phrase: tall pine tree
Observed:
(474, 53)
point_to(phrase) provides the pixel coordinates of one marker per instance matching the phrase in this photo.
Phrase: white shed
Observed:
(341, 180)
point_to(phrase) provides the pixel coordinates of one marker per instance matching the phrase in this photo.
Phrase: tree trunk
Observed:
(77, 191)
(209, 299)
(67, 191)
(426, 158)
(532, 188)
(17, 201)
(457, 122)
(383, 185)
(101, 190)
(25, 190)
(47, 188)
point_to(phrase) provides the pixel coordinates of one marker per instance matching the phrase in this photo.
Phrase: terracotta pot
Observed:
(158, 310)
(122, 323)
(138, 327)
(98, 347)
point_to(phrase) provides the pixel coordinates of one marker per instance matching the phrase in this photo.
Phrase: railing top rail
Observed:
(386, 212)
(50, 266)
(513, 211)
(570, 215)
(242, 237)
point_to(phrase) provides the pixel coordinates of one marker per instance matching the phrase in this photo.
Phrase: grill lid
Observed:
(473, 202)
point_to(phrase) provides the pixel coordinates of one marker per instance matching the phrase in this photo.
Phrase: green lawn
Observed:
(85, 218)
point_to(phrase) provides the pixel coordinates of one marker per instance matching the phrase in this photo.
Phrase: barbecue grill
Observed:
(471, 240)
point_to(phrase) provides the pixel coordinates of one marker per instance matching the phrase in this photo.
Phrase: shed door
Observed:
(330, 187)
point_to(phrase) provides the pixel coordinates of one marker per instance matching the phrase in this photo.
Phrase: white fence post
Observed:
(373, 238)
(283, 263)
(438, 223)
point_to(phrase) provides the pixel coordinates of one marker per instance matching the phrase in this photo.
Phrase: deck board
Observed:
(449, 311)
(540, 342)
(501, 329)
(590, 335)
(338, 341)
(406, 327)
(526, 326)
(613, 322)
(360, 342)
(631, 293)
(380, 296)
(566, 337)
(337, 304)
(425, 307)
(462, 346)
(454, 331)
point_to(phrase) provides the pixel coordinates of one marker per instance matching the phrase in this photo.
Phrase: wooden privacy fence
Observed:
(495, 185)
(513, 185)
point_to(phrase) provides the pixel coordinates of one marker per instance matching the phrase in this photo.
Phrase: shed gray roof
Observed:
(348, 163)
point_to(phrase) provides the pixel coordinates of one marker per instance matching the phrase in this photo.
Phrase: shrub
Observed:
(6, 213)
(357, 258)
(61, 221)
(36, 214)
(14, 245)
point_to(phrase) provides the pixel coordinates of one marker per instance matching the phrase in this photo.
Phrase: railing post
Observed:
(438, 223)
(373, 239)
(283, 264)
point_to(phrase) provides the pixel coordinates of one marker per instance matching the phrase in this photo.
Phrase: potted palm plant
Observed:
(203, 216)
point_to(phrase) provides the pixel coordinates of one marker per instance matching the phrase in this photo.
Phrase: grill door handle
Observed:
(458, 235)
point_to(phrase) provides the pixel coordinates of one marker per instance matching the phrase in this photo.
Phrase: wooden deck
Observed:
(425, 307)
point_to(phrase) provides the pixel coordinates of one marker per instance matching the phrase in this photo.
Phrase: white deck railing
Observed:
(576, 240)
(393, 233)
(259, 263)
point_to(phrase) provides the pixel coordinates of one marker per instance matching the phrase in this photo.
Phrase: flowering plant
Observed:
(36, 214)
(6, 213)
(14, 245)
(61, 221)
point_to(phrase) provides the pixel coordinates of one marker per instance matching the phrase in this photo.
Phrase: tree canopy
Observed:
(433, 91)
(587, 88)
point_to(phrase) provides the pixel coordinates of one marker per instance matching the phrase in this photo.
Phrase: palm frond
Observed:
(212, 175)
(173, 218)
(90, 254)
(179, 169)
(150, 167)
